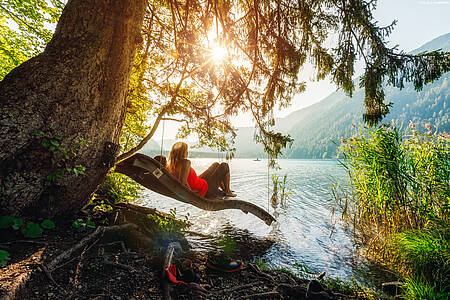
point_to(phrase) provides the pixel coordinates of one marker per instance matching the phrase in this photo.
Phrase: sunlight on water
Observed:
(305, 232)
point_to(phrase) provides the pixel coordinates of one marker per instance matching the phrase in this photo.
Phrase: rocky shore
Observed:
(120, 262)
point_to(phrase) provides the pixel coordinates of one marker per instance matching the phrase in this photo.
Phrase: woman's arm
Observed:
(185, 170)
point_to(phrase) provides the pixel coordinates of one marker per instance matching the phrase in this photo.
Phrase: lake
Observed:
(306, 231)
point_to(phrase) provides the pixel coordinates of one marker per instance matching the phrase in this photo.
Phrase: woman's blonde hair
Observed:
(178, 153)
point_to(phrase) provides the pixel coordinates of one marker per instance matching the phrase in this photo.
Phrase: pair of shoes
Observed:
(220, 262)
(184, 272)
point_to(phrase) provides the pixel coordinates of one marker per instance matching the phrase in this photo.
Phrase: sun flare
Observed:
(218, 54)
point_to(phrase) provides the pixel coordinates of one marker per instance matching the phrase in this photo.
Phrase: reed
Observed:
(399, 200)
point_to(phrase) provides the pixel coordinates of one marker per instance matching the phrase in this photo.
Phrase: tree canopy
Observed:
(202, 62)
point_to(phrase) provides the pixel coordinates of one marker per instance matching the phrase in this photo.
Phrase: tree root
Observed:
(80, 263)
(262, 274)
(14, 277)
(261, 295)
(236, 288)
(87, 239)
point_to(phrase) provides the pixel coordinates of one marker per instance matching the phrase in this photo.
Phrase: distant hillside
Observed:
(317, 129)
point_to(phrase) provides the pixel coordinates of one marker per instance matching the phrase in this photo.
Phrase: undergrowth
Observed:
(118, 188)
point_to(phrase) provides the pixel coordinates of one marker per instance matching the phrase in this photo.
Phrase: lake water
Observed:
(306, 231)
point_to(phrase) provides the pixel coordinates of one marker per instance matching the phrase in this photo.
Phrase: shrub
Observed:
(118, 188)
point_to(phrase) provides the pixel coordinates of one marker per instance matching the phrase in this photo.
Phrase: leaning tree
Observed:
(61, 112)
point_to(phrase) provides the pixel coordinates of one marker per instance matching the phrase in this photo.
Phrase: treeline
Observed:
(318, 129)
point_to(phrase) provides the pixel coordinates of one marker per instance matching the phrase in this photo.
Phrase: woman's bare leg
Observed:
(226, 185)
(211, 170)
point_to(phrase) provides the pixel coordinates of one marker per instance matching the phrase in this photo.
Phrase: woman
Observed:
(208, 183)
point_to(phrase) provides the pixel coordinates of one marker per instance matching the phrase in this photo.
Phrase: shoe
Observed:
(223, 263)
(184, 272)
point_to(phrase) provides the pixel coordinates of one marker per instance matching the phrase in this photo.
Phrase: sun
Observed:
(218, 54)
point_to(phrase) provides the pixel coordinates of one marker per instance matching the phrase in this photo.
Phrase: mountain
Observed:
(317, 129)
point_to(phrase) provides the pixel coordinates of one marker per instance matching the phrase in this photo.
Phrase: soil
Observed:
(115, 266)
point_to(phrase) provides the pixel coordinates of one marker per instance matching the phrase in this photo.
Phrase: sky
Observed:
(418, 22)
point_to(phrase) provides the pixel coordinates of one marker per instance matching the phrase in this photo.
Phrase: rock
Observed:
(316, 291)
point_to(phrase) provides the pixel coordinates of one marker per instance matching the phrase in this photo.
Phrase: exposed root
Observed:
(239, 287)
(15, 276)
(261, 295)
(86, 240)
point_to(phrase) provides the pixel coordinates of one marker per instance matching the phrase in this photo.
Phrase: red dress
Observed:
(196, 183)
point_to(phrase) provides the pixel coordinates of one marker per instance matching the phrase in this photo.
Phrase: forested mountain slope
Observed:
(317, 129)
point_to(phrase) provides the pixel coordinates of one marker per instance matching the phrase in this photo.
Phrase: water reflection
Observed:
(305, 232)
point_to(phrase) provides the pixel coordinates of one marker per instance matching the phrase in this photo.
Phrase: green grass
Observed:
(419, 289)
(398, 203)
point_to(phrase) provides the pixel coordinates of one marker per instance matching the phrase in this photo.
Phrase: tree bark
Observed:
(75, 89)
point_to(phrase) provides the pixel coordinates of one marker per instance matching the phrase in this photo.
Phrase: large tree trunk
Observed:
(75, 89)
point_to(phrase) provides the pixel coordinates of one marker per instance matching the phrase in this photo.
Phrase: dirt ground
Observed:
(113, 266)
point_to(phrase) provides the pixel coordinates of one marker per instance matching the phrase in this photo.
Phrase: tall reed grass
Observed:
(399, 199)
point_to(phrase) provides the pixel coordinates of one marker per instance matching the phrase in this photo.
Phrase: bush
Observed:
(118, 188)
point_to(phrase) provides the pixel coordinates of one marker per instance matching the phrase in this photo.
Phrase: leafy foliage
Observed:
(29, 230)
(32, 230)
(25, 29)
(6, 221)
(61, 158)
(227, 244)
(47, 224)
(266, 44)
(117, 188)
(167, 227)
(3, 257)
(78, 223)
(17, 223)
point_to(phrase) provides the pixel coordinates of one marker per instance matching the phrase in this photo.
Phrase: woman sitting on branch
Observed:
(208, 183)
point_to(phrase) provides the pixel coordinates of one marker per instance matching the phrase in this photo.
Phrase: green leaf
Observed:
(48, 224)
(57, 136)
(17, 223)
(54, 143)
(5, 222)
(4, 254)
(78, 223)
(45, 143)
(38, 133)
(90, 224)
(32, 230)
(3, 257)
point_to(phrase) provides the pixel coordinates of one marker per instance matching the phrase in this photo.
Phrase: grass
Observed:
(399, 202)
